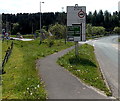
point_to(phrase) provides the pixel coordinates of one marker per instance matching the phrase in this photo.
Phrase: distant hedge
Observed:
(117, 30)
(94, 30)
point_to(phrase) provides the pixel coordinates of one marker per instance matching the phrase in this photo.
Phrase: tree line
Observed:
(27, 23)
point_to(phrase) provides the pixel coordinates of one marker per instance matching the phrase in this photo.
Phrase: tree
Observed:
(100, 18)
(15, 28)
(107, 20)
(89, 18)
(89, 30)
(115, 19)
(29, 23)
(58, 30)
(94, 19)
(117, 30)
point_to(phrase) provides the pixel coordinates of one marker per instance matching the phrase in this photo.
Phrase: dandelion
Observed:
(27, 88)
(30, 93)
(35, 88)
(70, 66)
(28, 78)
(38, 86)
(96, 78)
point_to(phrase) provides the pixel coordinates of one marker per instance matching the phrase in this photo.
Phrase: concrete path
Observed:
(61, 84)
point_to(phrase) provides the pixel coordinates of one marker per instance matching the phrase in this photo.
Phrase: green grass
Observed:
(12, 35)
(85, 67)
(119, 40)
(30, 36)
(21, 80)
(5, 46)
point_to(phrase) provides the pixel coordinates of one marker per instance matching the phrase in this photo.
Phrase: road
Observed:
(106, 50)
(61, 84)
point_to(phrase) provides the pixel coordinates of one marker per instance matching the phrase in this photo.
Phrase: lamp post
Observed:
(40, 24)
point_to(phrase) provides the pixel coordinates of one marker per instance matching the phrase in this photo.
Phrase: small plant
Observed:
(51, 41)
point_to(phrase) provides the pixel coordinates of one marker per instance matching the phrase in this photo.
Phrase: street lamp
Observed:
(40, 24)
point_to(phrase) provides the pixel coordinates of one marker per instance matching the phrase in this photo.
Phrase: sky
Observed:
(33, 6)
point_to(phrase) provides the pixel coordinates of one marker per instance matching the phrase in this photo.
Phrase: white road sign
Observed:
(77, 15)
(81, 14)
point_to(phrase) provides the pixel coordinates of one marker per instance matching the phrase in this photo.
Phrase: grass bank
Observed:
(118, 39)
(21, 80)
(29, 36)
(85, 67)
(5, 46)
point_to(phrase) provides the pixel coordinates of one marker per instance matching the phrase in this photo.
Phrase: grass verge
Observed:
(5, 45)
(85, 67)
(119, 40)
(21, 80)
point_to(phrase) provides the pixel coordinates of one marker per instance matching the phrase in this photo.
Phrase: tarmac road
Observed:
(107, 50)
(61, 84)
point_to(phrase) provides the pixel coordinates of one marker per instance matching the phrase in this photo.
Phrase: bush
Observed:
(58, 30)
(50, 41)
(89, 30)
(98, 30)
(15, 28)
(95, 31)
(37, 33)
(117, 30)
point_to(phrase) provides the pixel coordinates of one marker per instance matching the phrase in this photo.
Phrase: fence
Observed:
(7, 55)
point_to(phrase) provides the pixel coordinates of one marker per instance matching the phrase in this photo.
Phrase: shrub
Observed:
(89, 30)
(50, 41)
(117, 30)
(98, 30)
(58, 30)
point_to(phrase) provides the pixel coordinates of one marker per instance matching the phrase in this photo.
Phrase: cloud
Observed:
(33, 6)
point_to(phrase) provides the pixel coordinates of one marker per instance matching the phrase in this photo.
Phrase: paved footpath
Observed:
(61, 84)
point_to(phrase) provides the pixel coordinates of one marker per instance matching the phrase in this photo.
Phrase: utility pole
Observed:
(6, 23)
(32, 25)
(40, 24)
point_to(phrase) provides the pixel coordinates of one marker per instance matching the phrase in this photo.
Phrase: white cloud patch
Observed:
(33, 6)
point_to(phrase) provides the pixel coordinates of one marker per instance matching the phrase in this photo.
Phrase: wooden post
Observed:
(76, 48)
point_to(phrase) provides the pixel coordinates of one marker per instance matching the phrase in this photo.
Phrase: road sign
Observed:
(76, 15)
(81, 14)
(74, 32)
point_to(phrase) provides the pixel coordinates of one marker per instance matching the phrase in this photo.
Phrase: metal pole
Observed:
(6, 23)
(32, 25)
(40, 24)
(32, 28)
(40, 16)
(76, 48)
